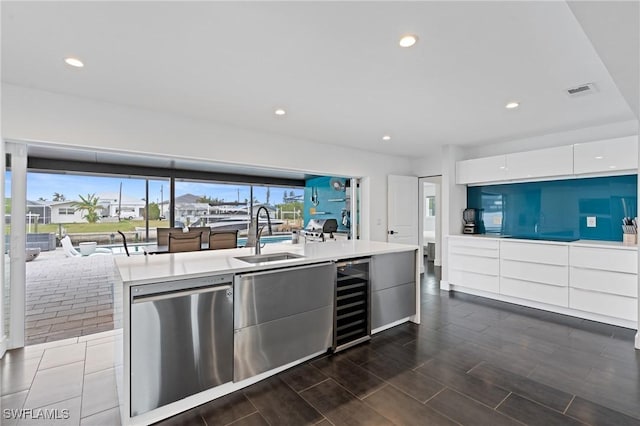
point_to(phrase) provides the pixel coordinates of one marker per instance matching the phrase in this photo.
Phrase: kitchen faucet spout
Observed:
(259, 229)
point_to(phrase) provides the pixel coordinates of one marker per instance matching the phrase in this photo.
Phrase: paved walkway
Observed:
(68, 297)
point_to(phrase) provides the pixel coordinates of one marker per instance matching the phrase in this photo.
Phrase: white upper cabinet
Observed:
(608, 155)
(540, 163)
(488, 169)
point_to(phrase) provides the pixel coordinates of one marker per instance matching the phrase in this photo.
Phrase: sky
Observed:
(44, 185)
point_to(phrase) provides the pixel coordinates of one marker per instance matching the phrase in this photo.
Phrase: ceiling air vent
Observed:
(583, 89)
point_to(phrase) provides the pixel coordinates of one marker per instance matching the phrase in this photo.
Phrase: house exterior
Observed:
(65, 211)
(130, 208)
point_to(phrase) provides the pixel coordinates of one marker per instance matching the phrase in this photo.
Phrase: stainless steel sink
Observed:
(271, 257)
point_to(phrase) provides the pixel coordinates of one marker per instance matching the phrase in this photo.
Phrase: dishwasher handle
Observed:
(181, 293)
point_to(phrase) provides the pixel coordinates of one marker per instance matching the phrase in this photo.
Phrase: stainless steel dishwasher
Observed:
(181, 339)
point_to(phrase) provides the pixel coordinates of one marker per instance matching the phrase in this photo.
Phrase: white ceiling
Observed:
(335, 66)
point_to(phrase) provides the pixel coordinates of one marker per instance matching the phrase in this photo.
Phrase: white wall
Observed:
(34, 115)
(428, 165)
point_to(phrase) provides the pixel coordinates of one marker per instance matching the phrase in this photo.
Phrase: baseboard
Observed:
(444, 285)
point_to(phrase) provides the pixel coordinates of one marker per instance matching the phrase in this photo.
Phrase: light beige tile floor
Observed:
(74, 374)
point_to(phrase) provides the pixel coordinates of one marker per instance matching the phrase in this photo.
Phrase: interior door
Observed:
(402, 210)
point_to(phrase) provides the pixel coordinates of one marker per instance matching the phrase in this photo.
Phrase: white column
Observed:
(18, 242)
(454, 201)
(3, 336)
(638, 210)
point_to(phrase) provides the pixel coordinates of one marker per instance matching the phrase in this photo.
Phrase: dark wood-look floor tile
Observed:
(534, 414)
(302, 377)
(595, 414)
(354, 378)
(401, 409)
(279, 404)
(254, 419)
(188, 418)
(414, 384)
(466, 411)
(466, 384)
(558, 378)
(341, 407)
(226, 409)
(359, 354)
(409, 354)
(544, 394)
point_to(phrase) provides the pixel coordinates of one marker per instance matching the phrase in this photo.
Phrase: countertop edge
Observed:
(227, 264)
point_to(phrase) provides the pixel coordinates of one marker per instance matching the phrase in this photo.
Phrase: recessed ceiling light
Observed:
(408, 40)
(386, 138)
(599, 157)
(512, 105)
(612, 167)
(280, 112)
(74, 62)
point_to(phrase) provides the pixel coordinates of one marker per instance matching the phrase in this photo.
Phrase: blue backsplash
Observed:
(559, 208)
(325, 197)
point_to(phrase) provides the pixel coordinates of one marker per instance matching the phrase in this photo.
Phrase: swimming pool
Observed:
(266, 239)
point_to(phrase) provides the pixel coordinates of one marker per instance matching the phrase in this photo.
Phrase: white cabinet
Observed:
(604, 281)
(606, 156)
(540, 163)
(534, 271)
(594, 281)
(474, 263)
(488, 169)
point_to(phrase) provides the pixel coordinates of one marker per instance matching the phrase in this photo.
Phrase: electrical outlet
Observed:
(591, 221)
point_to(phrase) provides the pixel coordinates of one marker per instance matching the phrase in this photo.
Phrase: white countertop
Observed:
(577, 243)
(140, 269)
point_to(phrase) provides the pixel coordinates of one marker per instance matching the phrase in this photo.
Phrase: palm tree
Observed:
(90, 204)
(58, 196)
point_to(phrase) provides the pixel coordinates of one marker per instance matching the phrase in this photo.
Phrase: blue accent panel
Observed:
(326, 196)
(559, 208)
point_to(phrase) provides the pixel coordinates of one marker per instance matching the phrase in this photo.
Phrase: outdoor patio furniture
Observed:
(223, 240)
(70, 251)
(181, 242)
(126, 248)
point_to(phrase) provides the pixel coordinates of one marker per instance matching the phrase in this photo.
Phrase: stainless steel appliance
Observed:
(317, 229)
(352, 318)
(181, 339)
(472, 219)
(281, 316)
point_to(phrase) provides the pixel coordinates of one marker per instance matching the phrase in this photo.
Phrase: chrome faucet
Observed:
(259, 229)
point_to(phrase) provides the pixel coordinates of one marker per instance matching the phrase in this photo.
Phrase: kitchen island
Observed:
(243, 318)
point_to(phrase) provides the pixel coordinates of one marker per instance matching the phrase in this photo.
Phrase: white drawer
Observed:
(550, 294)
(474, 251)
(605, 258)
(537, 272)
(605, 304)
(535, 252)
(604, 281)
(480, 265)
(474, 242)
(490, 283)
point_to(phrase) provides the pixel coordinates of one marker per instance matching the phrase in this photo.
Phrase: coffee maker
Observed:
(472, 221)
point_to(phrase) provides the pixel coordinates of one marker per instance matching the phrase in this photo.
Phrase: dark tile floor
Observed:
(472, 361)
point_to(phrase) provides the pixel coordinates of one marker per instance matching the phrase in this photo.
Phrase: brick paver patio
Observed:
(68, 297)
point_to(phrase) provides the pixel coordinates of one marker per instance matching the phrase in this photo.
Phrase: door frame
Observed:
(437, 181)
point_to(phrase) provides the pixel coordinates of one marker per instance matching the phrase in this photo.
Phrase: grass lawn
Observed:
(78, 228)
